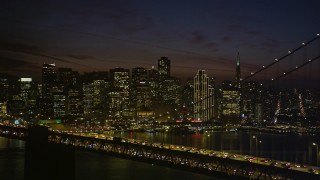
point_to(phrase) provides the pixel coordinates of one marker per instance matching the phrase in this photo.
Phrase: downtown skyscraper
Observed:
(203, 97)
(164, 67)
(46, 101)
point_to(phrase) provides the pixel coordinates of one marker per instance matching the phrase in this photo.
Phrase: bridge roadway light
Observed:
(317, 153)
(254, 137)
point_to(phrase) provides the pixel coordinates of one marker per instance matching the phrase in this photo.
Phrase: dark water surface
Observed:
(293, 148)
(91, 166)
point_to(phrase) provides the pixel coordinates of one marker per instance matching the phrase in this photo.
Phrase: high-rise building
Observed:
(187, 100)
(238, 72)
(164, 66)
(59, 104)
(251, 94)
(75, 102)
(153, 78)
(88, 98)
(25, 88)
(4, 89)
(28, 93)
(140, 89)
(203, 97)
(49, 76)
(67, 78)
(119, 101)
(230, 103)
(139, 76)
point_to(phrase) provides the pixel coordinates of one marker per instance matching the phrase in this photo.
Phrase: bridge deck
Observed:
(199, 160)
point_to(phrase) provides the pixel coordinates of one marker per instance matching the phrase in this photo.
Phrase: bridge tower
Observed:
(44, 160)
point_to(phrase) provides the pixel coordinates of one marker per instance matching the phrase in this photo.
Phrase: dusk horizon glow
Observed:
(99, 36)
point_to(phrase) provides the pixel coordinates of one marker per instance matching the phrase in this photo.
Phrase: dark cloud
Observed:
(211, 45)
(197, 37)
(35, 51)
(7, 63)
(271, 44)
(20, 47)
(143, 24)
(254, 32)
(81, 57)
(214, 47)
(226, 39)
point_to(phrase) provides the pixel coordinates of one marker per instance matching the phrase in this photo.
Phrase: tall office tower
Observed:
(119, 93)
(4, 89)
(251, 97)
(230, 103)
(120, 78)
(187, 100)
(25, 88)
(139, 76)
(3, 110)
(203, 97)
(59, 104)
(67, 78)
(28, 93)
(171, 91)
(141, 96)
(238, 72)
(94, 88)
(153, 78)
(49, 76)
(88, 94)
(75, 102)
(164, 67)
(140, 89)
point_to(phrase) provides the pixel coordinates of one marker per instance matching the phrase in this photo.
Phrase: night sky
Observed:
(97, 35)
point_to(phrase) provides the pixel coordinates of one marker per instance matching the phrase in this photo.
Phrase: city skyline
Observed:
(98, 36)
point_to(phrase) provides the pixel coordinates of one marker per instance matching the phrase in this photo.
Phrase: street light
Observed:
(254, 137)
(317, 153)
(257, 145)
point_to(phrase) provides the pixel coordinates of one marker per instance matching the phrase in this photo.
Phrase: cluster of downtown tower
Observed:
(143, 96)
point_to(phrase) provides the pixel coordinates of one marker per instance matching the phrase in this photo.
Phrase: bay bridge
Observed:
(40, 141)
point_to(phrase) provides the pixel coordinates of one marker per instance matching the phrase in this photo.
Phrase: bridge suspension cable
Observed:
(296, 68)
(277, 60)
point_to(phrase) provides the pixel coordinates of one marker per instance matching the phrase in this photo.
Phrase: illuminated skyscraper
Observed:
(203, 97)
(59, 104)
(28, 93)
(49, 76)
(119, 94)
(75, 102)
(230, 102)
(25, 89)
(164, 66)
(140, 89)
(4, 89)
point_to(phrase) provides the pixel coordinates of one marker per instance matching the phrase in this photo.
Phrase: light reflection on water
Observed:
(91, 166)
(289, 147)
